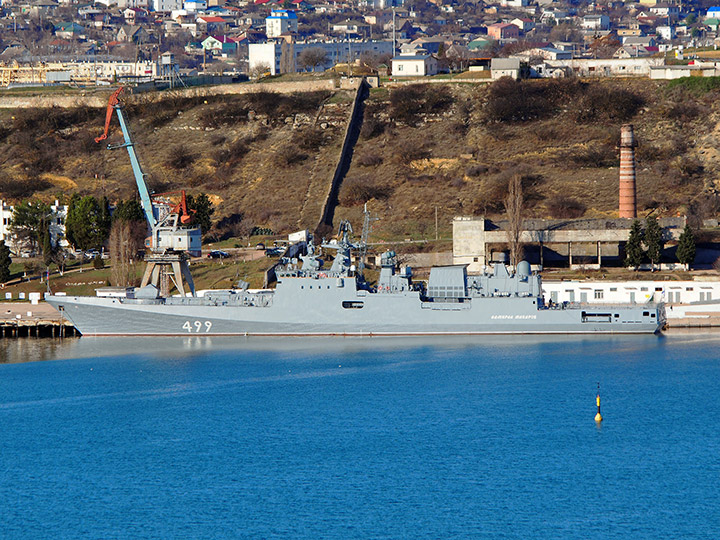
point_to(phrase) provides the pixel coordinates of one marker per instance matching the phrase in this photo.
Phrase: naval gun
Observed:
(172, 237)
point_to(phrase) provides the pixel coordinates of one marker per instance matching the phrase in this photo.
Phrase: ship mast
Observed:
(367, 227)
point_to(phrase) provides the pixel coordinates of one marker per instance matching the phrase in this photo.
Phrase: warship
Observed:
(310, 299)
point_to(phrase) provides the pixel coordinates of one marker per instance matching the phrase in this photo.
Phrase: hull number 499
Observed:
(197, 326)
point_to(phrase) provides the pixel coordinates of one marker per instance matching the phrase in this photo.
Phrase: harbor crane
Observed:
(172, 239)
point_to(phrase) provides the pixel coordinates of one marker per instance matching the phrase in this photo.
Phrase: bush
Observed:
(369, 160)
(372, 125)
(180, 157)
(98, 263)
(695, 85)
(594, 155)
(21, 189)
(683, 112)
(601, 103)
(358, 191)
(290, 155)
(516, 101)
(408, 102)
(566, 208)
(309, 138)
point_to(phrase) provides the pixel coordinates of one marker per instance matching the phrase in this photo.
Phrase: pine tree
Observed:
(633, 248)
(5, 262)
(653, 240)
(686, 246)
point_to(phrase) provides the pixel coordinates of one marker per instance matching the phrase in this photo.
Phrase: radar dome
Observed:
(523, 268)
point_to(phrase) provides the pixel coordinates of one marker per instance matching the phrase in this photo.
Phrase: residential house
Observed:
(669, 11)
(712, 24)
(417, 65)
(166, 6)
(220, 45)
(596, 22)
(195, 6)
(135, 34)
(56, 226)
(713, 13)
(639, 41)
(633, 51)
(281, 21)
(500, 31)
(524, 24)
(352, 28)
(69, 30)
(211, 24)
(666, 32)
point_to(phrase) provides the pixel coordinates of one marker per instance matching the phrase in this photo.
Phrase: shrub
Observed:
(408, 102)
(564, 207)
(594, 155)
(290, 155)
(309, 138)
(180, 157)
(372, 125)
(369, 160)
(695, 85)
(21, 189)
(358, 191)
(601, 103)
(515, 101)
(683, 112)
(476, 170)
(98, 262)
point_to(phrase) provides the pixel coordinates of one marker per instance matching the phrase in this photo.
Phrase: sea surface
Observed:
(489, 437)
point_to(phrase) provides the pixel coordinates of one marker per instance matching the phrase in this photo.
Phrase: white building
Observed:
(281, 21)
(631, 292)
(166, 5)
(596, 22)
(57, 225)
(420, 64)
(195, 6)
(270, 54)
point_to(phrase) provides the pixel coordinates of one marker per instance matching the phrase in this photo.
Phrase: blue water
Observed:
(482, 438)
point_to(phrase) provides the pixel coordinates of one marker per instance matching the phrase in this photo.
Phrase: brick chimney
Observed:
(628, 201)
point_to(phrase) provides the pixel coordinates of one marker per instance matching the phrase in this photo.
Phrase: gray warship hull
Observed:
(328, 310)
(309, 300)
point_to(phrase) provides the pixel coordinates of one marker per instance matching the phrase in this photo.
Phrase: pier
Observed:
(23, 319)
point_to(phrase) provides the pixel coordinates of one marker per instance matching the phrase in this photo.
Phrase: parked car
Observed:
(218, 254)
(274, 252)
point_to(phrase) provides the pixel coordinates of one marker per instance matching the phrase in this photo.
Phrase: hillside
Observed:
(267, 159)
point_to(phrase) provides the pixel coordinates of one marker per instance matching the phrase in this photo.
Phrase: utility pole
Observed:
(436, 223)
(393, 9)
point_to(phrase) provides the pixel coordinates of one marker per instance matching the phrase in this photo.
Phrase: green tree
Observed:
(5, 262)
(130, 210)
(47, 248)
(633, 248)
(203, 210)
(29, 222)
(87, 225)
(653, 240)
(686, 246)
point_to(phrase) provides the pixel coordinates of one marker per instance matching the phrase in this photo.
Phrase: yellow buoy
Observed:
(598, 416)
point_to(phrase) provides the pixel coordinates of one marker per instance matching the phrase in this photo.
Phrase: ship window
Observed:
(643, 288)
(688, 288)
(646, 313)
(598, 294)
(352, 305)
(613, 289)
(617, 315)
(658, 288)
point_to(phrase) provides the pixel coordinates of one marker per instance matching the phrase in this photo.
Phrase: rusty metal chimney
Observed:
(628, 201)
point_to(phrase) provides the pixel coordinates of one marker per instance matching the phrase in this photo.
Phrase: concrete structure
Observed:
(414, 65)
(596, 22)
(619, 67)
(559, 239)
(628, 199)
(505, 67)
(632, 292)
(271, 54)
(281, 21)
(166, 5)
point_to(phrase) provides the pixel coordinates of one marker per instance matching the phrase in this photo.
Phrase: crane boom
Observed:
(115, 105)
